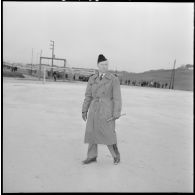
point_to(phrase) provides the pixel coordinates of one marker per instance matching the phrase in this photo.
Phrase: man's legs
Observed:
(112, 151)
(91, 154)
(116, 150)
(115, 153)
(92, 151)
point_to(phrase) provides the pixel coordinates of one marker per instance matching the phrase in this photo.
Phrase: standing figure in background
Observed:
(102, 102)
(54, 76)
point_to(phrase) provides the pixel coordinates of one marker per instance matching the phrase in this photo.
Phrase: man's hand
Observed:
(115, 117)
(84, 116)
(112, 118)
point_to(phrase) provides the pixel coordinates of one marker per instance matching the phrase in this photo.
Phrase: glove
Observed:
(116, 116)
(112, 118)
(84, 116)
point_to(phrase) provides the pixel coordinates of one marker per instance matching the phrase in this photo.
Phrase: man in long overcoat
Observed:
(101, 107)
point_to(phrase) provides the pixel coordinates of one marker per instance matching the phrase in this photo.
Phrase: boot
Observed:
(89, 160)
(116, 160)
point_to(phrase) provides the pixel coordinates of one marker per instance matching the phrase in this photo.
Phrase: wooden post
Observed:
(40, 69)
(64, 69)
(173, 75)
(44, 74)
(52, 57)
(171, 85)
(32, 61)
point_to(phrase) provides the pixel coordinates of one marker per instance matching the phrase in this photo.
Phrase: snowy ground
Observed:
(43, 136)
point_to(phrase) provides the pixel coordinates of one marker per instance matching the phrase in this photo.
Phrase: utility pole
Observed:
(52, 48)
(64, 69)
(171, 86)
(173, 74)
(40, 66)
(116, 70)
(32, 61)
(41, 53)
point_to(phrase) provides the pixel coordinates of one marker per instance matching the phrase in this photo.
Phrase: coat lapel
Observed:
(100, 84)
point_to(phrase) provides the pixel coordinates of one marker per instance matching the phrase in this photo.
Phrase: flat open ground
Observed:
(43, 141)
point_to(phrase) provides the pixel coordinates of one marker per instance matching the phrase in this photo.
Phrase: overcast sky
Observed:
(135, 37)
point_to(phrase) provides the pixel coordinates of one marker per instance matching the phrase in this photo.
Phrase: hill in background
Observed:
(183, 79)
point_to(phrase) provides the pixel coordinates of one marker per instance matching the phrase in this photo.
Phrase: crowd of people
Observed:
(133, 82)
(144, 83)
(12, 68)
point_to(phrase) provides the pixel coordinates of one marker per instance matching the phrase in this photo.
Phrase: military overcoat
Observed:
(102, 101)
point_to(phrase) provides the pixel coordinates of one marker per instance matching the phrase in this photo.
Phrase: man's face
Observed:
(103, 66)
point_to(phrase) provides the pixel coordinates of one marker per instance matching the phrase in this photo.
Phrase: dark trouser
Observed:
(92, 150)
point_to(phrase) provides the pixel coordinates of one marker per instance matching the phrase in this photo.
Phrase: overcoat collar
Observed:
(107, 75)
(100, 84)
